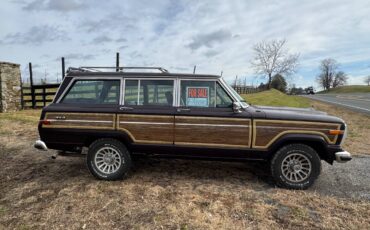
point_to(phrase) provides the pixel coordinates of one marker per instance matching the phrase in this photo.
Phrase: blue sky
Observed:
(214, 35)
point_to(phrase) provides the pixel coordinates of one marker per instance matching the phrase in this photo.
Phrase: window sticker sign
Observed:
(197, 96)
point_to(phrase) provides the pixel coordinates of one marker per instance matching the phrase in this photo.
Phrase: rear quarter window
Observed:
(93, 92)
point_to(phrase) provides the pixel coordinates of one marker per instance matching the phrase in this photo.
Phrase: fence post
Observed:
(22, 102)
(117, 61)
(44, 96)
(32, 89)
(63, 68)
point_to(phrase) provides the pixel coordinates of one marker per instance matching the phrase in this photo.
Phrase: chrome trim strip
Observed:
(214, 145)
(82, 121)
(122, 85)
(225, 86)
(176, 101)
(345, 134)
(65, 90)
(61, 83)
(216, 125)
(227, 89)
(138, 92)
(291, 128)
(145, 123)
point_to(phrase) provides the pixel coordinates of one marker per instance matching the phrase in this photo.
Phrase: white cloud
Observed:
(57, 5)
(214, 35)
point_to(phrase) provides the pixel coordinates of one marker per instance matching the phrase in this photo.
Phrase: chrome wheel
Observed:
(108, 160)
(296, 167)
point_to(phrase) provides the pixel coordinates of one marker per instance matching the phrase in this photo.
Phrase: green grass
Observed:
(274, 97)
(26, 116)
(349, 89)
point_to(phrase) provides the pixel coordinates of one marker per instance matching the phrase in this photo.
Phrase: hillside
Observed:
(349, 89)
(274, 97)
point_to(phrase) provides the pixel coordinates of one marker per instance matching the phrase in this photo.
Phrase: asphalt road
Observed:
(359, 102)
(348, 180)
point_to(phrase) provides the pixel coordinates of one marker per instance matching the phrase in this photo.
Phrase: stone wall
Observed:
(10, 87)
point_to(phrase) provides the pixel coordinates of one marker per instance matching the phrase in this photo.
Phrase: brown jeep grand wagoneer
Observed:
(117, 114)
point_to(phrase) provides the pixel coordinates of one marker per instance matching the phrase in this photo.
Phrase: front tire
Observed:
(108, 159)
(295, 166)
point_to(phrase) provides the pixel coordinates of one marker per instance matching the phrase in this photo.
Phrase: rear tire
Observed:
(108, 159)
(295, 166)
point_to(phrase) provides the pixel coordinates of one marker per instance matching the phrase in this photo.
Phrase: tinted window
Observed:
(131, 92)
(149, 92)
(93, 92)
(223, 100)
(198, 93)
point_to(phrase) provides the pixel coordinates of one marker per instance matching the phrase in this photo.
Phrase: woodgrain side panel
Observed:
(147, 128)
(267, 131)
(80, 120)
(213, 132)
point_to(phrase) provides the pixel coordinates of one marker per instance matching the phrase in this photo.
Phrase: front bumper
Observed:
(343, 157)
(40, 145)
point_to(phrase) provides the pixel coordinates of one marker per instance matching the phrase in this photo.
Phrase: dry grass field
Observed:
(37, 192)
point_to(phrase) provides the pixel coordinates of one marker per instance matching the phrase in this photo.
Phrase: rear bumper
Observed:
(343, 157)
(40, 145)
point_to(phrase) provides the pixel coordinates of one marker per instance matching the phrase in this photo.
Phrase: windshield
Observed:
(235, 94)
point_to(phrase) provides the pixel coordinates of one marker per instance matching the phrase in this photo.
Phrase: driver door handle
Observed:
(182, 110)
(125, 108)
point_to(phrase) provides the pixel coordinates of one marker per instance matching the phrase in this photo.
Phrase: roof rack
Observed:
(121, 69)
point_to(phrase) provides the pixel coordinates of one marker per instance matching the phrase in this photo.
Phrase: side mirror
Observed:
(237, 108)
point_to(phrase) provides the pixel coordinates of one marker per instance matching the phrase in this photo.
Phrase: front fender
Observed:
(317, 142)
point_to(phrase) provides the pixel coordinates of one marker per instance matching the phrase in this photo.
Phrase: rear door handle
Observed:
(183, 110)
(125, 108)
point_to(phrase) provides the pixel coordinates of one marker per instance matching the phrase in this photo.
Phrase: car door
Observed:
(147, 112)
(205, 117)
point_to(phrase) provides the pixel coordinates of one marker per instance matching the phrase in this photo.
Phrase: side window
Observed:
(198, 94)
(131, 92)
(149, 92)
(223, 100)
(93, 92)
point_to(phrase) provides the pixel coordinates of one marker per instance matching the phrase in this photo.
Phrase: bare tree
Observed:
(240, 80)
(367, 80)
(272, 58)
(340, 79)
(236, 81)
(328, 68)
